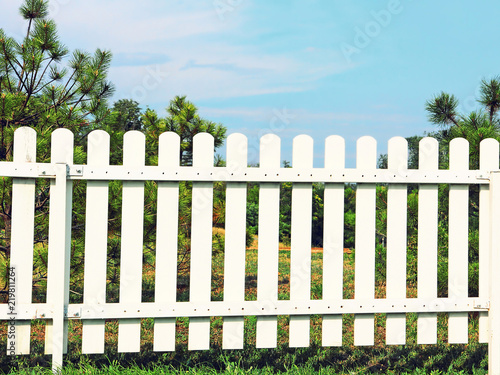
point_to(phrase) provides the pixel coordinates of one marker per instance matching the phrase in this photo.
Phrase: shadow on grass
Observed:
(389, 359)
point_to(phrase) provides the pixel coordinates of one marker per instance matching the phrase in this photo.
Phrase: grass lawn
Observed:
(348, 359)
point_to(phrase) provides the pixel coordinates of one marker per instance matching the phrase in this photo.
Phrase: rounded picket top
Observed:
(366, 152)
(237, 150)
(202, 137)
(335, 152)
(203, 150)
(270, 151)
(134, 148)
(397, 153)
(98, 148)
(428, 153)
(459, 142)
(62, 146)
(303, 151)
(25, 144)
(488, 154)
(459, 154)
(135, 135)
(169, 149)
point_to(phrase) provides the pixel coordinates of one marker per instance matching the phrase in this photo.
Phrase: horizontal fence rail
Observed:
(251, 308)
(168, 177)
(211, 174)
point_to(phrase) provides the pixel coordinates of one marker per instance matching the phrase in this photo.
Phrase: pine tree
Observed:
(475, 126)
(44, 87)
(38, 89)
(184, 120)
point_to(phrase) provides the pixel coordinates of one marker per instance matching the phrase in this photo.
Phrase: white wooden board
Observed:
(22, 235)
(489, 155)
(96, 240)
(58, 262)
(267, 268)
(201, 242)
(427, 241)
(458, 248)
(300, 257)
(235, 241)
(333, 241)
(396, 240)
(129, 330)
(166, 241)
(364, 272)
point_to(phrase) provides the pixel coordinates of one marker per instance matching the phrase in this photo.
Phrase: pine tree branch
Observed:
(44, 86)
(14, 69)
(43, 74)
(7, 75)
(22, 46)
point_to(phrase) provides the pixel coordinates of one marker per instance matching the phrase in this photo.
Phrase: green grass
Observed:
(233, 370)
(348, 359)
(399, 360)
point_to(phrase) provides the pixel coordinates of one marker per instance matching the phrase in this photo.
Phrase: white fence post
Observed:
(488, 161)
(58, 272)
(494, 311)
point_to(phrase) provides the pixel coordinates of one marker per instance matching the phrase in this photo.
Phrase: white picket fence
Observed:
(62, 172)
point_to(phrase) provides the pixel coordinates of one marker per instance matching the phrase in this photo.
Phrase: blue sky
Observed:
(316, 67)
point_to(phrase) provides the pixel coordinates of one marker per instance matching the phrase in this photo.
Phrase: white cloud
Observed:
(126, 26)
(306, 116)
(196, 52)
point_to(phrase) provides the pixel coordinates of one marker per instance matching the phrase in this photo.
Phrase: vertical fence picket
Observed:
(96, 240)
(132, 238)
(235, 241)
(201, 242)
(333, 241)
(488, 161)
(427, 240)
(22, 233)
(396, 240)
(300, 257)
(268, 247)
(364, 271)
(58, 262)
(458, 248)
(59, 241)
(494, 282)
(166, 241)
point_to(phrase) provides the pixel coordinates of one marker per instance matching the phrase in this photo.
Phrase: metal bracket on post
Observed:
(46, 170)
(481, 306)
(484, 176)
(75, 171)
